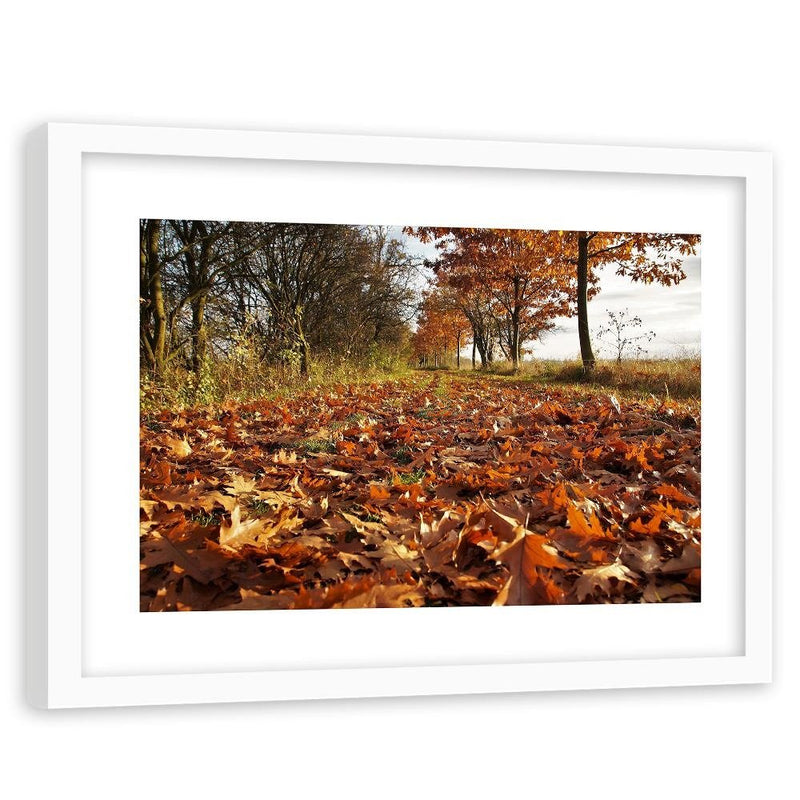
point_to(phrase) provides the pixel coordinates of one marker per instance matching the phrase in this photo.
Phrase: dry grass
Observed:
(232, 381)
(229, 381)
(677, 378)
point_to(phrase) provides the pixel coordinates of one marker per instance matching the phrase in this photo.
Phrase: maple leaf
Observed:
(256, 601)
(396, 556)
(644, 557)
(637, 526)
(379, 492)
(659, 593)
(359, 593)
(688, 560)
(210, 500)
(672, 492)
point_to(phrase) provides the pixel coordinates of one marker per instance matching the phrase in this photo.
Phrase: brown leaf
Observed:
(523, 557)
(604, 578)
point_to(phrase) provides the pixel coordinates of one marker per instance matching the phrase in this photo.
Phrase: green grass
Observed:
(318, 446)
(676, 378)
(402, 455)
(206, 520)
(415, 476)
(260, 508)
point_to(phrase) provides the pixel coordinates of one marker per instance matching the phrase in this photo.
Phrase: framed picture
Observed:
(423, 414)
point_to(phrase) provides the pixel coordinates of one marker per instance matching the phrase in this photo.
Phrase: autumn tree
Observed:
(642, 257)
(520, 272)
(477, 305)
(442, 328)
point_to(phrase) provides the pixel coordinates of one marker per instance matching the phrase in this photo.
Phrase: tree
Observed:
(290, 289)
(477, 305)
(205, 253)
(152, 312)
(376, 301)
(441, 327)
(520, 271)
(643, 257)
(620, 333)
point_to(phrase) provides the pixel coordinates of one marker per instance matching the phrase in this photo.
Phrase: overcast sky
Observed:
(672, 312)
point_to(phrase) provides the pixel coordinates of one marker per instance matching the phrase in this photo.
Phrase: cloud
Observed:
(672, 312)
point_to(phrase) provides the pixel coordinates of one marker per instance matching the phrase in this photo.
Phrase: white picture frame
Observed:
(78, 630)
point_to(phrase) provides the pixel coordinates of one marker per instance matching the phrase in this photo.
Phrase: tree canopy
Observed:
(510, 285)
(293, 289)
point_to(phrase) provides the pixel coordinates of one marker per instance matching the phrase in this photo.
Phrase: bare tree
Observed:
(620, 332)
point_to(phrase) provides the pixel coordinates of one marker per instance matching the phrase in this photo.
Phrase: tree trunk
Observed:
(305, 348)
(515, 325)
(587, 356)
(199, 333)
(153, 293)
(473, 352)
(514, 342)
(458, 350)
(482, 351)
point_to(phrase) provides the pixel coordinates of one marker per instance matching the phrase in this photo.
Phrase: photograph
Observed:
(393, 416)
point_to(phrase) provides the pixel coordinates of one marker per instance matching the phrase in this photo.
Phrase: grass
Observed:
(676, 378)
(260, 508)
(206, 520)
(230, 381)
(402, 455)
(318, 446)
(415, 476)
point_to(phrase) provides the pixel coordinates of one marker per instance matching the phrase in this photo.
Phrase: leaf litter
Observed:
(500, 493)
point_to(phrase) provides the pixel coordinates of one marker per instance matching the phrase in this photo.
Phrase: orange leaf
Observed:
(637, 526)
(666, 490)
(522, 557)
(591, 528)
(378, 492)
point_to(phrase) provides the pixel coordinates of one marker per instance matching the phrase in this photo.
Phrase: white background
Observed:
(119, 190)
(610, 73)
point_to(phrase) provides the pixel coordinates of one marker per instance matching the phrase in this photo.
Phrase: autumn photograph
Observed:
(385, 416)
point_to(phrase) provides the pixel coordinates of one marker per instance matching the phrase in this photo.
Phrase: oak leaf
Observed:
(603, 578)
(523, 557)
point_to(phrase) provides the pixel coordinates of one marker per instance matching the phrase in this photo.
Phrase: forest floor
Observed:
(436, 489)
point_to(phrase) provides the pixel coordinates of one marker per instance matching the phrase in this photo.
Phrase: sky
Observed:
(672, 312)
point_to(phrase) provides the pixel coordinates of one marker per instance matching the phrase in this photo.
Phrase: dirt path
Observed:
(433, 490)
